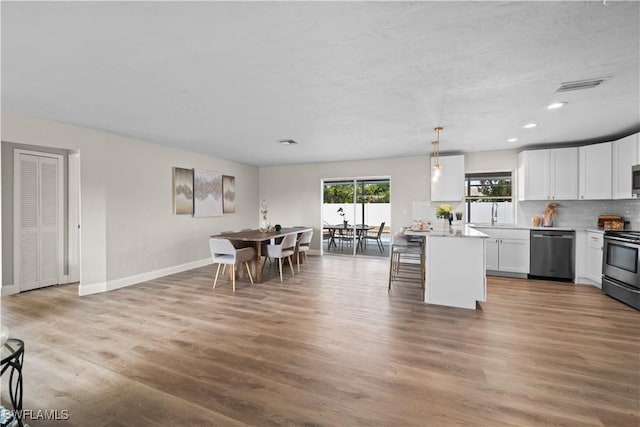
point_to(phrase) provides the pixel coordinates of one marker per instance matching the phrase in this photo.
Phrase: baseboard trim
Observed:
(587, 282)
(93, 288)
(506, 274)
(9, 290)
(112, 285)
(315, 252)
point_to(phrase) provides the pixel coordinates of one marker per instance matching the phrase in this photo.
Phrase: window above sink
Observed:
(489, 198)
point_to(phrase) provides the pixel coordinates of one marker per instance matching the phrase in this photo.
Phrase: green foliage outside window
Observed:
(343, 193)
(498, 190)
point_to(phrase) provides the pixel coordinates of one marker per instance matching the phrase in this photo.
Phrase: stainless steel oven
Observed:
(621, 266)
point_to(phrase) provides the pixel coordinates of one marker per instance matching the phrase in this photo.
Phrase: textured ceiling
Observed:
(347, 80)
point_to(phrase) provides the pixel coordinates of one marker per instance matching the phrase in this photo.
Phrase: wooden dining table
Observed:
(257, 237)
(361, 229)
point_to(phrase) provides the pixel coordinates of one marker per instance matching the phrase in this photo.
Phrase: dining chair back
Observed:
(285, 249)
(377, 237)
(224, 253)
(304, 244)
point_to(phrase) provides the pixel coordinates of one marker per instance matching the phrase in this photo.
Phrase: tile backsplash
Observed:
(583, 213)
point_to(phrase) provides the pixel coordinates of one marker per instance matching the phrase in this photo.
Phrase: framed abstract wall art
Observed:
(182, 191)
(207, 193)
(228, 194)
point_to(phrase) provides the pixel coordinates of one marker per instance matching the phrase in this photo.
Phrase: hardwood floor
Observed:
(328, 347)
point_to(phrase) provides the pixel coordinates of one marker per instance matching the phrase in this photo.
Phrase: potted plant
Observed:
(342, 214)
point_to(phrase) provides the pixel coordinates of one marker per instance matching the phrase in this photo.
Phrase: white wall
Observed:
(374, 213)
(128, 231)
(491, 161)
(294, 193)
(583, 213)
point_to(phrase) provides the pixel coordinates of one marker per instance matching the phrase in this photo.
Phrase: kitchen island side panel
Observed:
(456, 273)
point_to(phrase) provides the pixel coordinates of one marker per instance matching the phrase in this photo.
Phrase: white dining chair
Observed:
(224, 253)
(285, 249)
(304, 243)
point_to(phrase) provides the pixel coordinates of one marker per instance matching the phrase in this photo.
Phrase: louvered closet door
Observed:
(39, 222)
(29, 277)
(48, 217)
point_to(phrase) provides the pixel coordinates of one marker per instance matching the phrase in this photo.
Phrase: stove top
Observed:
(624, 234)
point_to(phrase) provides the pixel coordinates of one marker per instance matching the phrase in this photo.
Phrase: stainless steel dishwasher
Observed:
(552, 254)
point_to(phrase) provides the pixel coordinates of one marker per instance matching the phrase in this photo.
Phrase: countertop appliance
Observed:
(621, 266)
(552, 254)
(635, 181)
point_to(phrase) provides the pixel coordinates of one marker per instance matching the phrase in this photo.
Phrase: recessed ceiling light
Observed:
(556, 105)
(287, 141)
(530, 125)
(512, 139)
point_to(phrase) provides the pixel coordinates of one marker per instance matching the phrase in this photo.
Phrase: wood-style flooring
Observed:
(329, 347)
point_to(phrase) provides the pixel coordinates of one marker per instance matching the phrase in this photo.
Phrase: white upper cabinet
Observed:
(450, 186)
(533, 175)
(625, 154)
(548, 174)
(595, 171)
(564, 173)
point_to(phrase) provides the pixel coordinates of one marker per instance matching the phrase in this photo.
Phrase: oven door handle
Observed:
(622, 241)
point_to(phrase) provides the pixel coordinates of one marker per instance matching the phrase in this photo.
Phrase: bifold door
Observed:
(37, 221)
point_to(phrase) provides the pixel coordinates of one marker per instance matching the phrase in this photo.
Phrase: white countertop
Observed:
(470, 230)
(525, 227)
(453, 231)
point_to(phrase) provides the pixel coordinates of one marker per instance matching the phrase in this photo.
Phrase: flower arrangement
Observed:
(549, 213)
(443, 211)
(342, 214)
(264, 209)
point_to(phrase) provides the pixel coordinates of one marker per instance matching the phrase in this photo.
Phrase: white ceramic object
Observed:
(4, 334)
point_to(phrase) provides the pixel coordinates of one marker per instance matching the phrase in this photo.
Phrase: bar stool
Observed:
(407, 261)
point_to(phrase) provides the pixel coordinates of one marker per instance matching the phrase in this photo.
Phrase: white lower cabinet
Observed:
(514, 255)
(507, 251)
(492, 248)
(595, 244)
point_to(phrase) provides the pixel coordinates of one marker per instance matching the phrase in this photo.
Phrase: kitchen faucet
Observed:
(494, 213)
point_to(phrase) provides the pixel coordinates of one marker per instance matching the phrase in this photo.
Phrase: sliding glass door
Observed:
(356, 216)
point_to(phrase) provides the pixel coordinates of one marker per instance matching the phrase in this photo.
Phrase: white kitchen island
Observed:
(455, 266)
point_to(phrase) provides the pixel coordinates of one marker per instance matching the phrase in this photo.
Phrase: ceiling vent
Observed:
(287, 141)
(580, 84)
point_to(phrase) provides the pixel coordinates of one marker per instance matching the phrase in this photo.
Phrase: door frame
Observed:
(17, 223)
(354, 181)
(73, 212)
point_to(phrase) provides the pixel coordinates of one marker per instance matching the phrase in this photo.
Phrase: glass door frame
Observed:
(354, 181)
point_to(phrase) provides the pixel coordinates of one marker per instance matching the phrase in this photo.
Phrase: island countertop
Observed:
(453, 231)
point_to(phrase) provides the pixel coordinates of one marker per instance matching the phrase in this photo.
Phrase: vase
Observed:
(264, 225)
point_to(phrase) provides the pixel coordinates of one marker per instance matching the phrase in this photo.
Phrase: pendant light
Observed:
(436, 155)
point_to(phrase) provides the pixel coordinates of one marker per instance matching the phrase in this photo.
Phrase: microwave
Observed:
(635, 181)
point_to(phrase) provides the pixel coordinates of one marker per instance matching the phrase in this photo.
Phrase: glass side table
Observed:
(12, 353)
